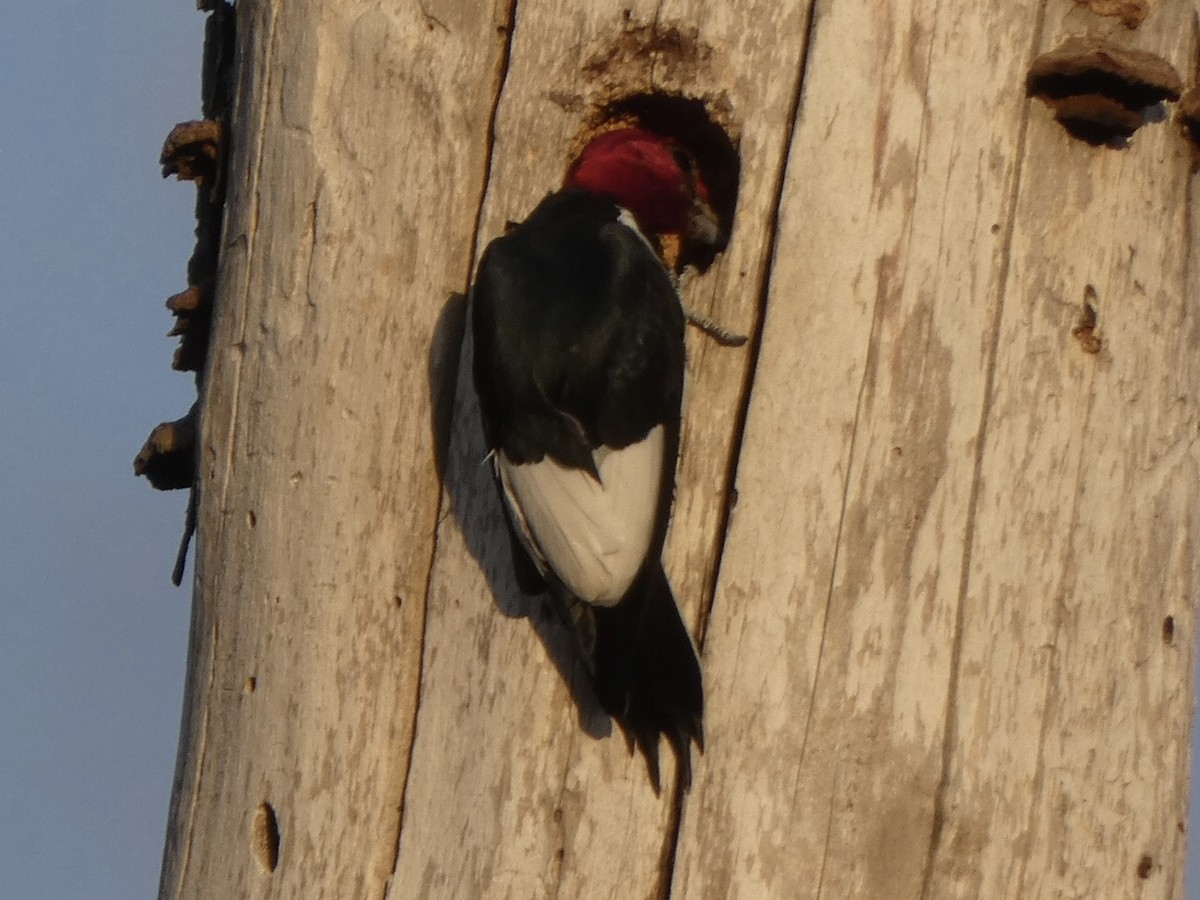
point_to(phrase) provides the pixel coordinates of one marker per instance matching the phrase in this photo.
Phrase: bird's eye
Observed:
(684, 160)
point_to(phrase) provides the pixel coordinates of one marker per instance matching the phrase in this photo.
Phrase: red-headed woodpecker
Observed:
(579, 356)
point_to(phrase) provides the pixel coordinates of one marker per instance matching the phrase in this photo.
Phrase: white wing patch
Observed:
(593, 535)
(625, 217)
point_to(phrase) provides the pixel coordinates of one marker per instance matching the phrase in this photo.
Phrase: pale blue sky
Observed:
(93, 637)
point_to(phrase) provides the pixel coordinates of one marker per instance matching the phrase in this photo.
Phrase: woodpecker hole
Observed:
(1145, 864)
(1168, 630)
(264, 837)
(1084, 329)
(694, 123)
(1101, 91)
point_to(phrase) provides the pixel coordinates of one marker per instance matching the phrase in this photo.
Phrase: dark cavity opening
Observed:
(686, 120)
(264, 837)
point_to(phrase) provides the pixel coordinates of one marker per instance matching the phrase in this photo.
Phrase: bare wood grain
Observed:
(855, 677)
(1070, 720)
(505, 762)
(349, 222)
(938, 659)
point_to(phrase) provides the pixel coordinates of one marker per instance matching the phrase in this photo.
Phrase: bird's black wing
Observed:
(579, 344)
(578, 334)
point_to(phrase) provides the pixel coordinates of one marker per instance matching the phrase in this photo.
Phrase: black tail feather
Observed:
(647, 674)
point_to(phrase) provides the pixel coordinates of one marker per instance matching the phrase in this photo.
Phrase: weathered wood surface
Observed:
(935, 657)
(359, 159)
(551, 809)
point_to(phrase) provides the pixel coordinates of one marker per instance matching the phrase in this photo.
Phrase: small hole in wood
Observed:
(250, 685)
(1084, 329)
(1168, 630)
(264, 837)
(251, 519)
(1145, 864)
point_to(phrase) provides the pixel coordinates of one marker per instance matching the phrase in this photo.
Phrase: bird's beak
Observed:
(703, 224)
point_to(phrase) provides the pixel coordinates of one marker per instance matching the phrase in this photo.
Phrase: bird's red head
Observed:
(652, 177)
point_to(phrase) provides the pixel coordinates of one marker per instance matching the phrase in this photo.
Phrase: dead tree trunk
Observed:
(936, 523)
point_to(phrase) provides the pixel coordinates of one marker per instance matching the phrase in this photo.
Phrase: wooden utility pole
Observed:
(937, 525)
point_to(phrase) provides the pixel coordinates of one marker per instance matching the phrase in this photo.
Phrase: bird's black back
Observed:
(578, 335)
(579, 343)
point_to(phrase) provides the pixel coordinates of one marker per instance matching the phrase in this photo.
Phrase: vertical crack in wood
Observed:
(950, 718)
(560, 859)
(201, 756)
(252, 191)
(501, 82)
(868, 368)
(675, 823)
(453, 371)
(828, 829)
(1189, 754)
(754, 347)
(210, 596)
(654, 23)
(1186, 765)
(670, 848)
(1190, 194)
(1068, 572)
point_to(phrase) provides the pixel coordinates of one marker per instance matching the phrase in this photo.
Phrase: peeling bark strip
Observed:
(191, 150)
(949, 649)
(1099, 90)
(168, 459)
(1187, 114)
(192, 309)
(1131, 12)
(195, 151)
